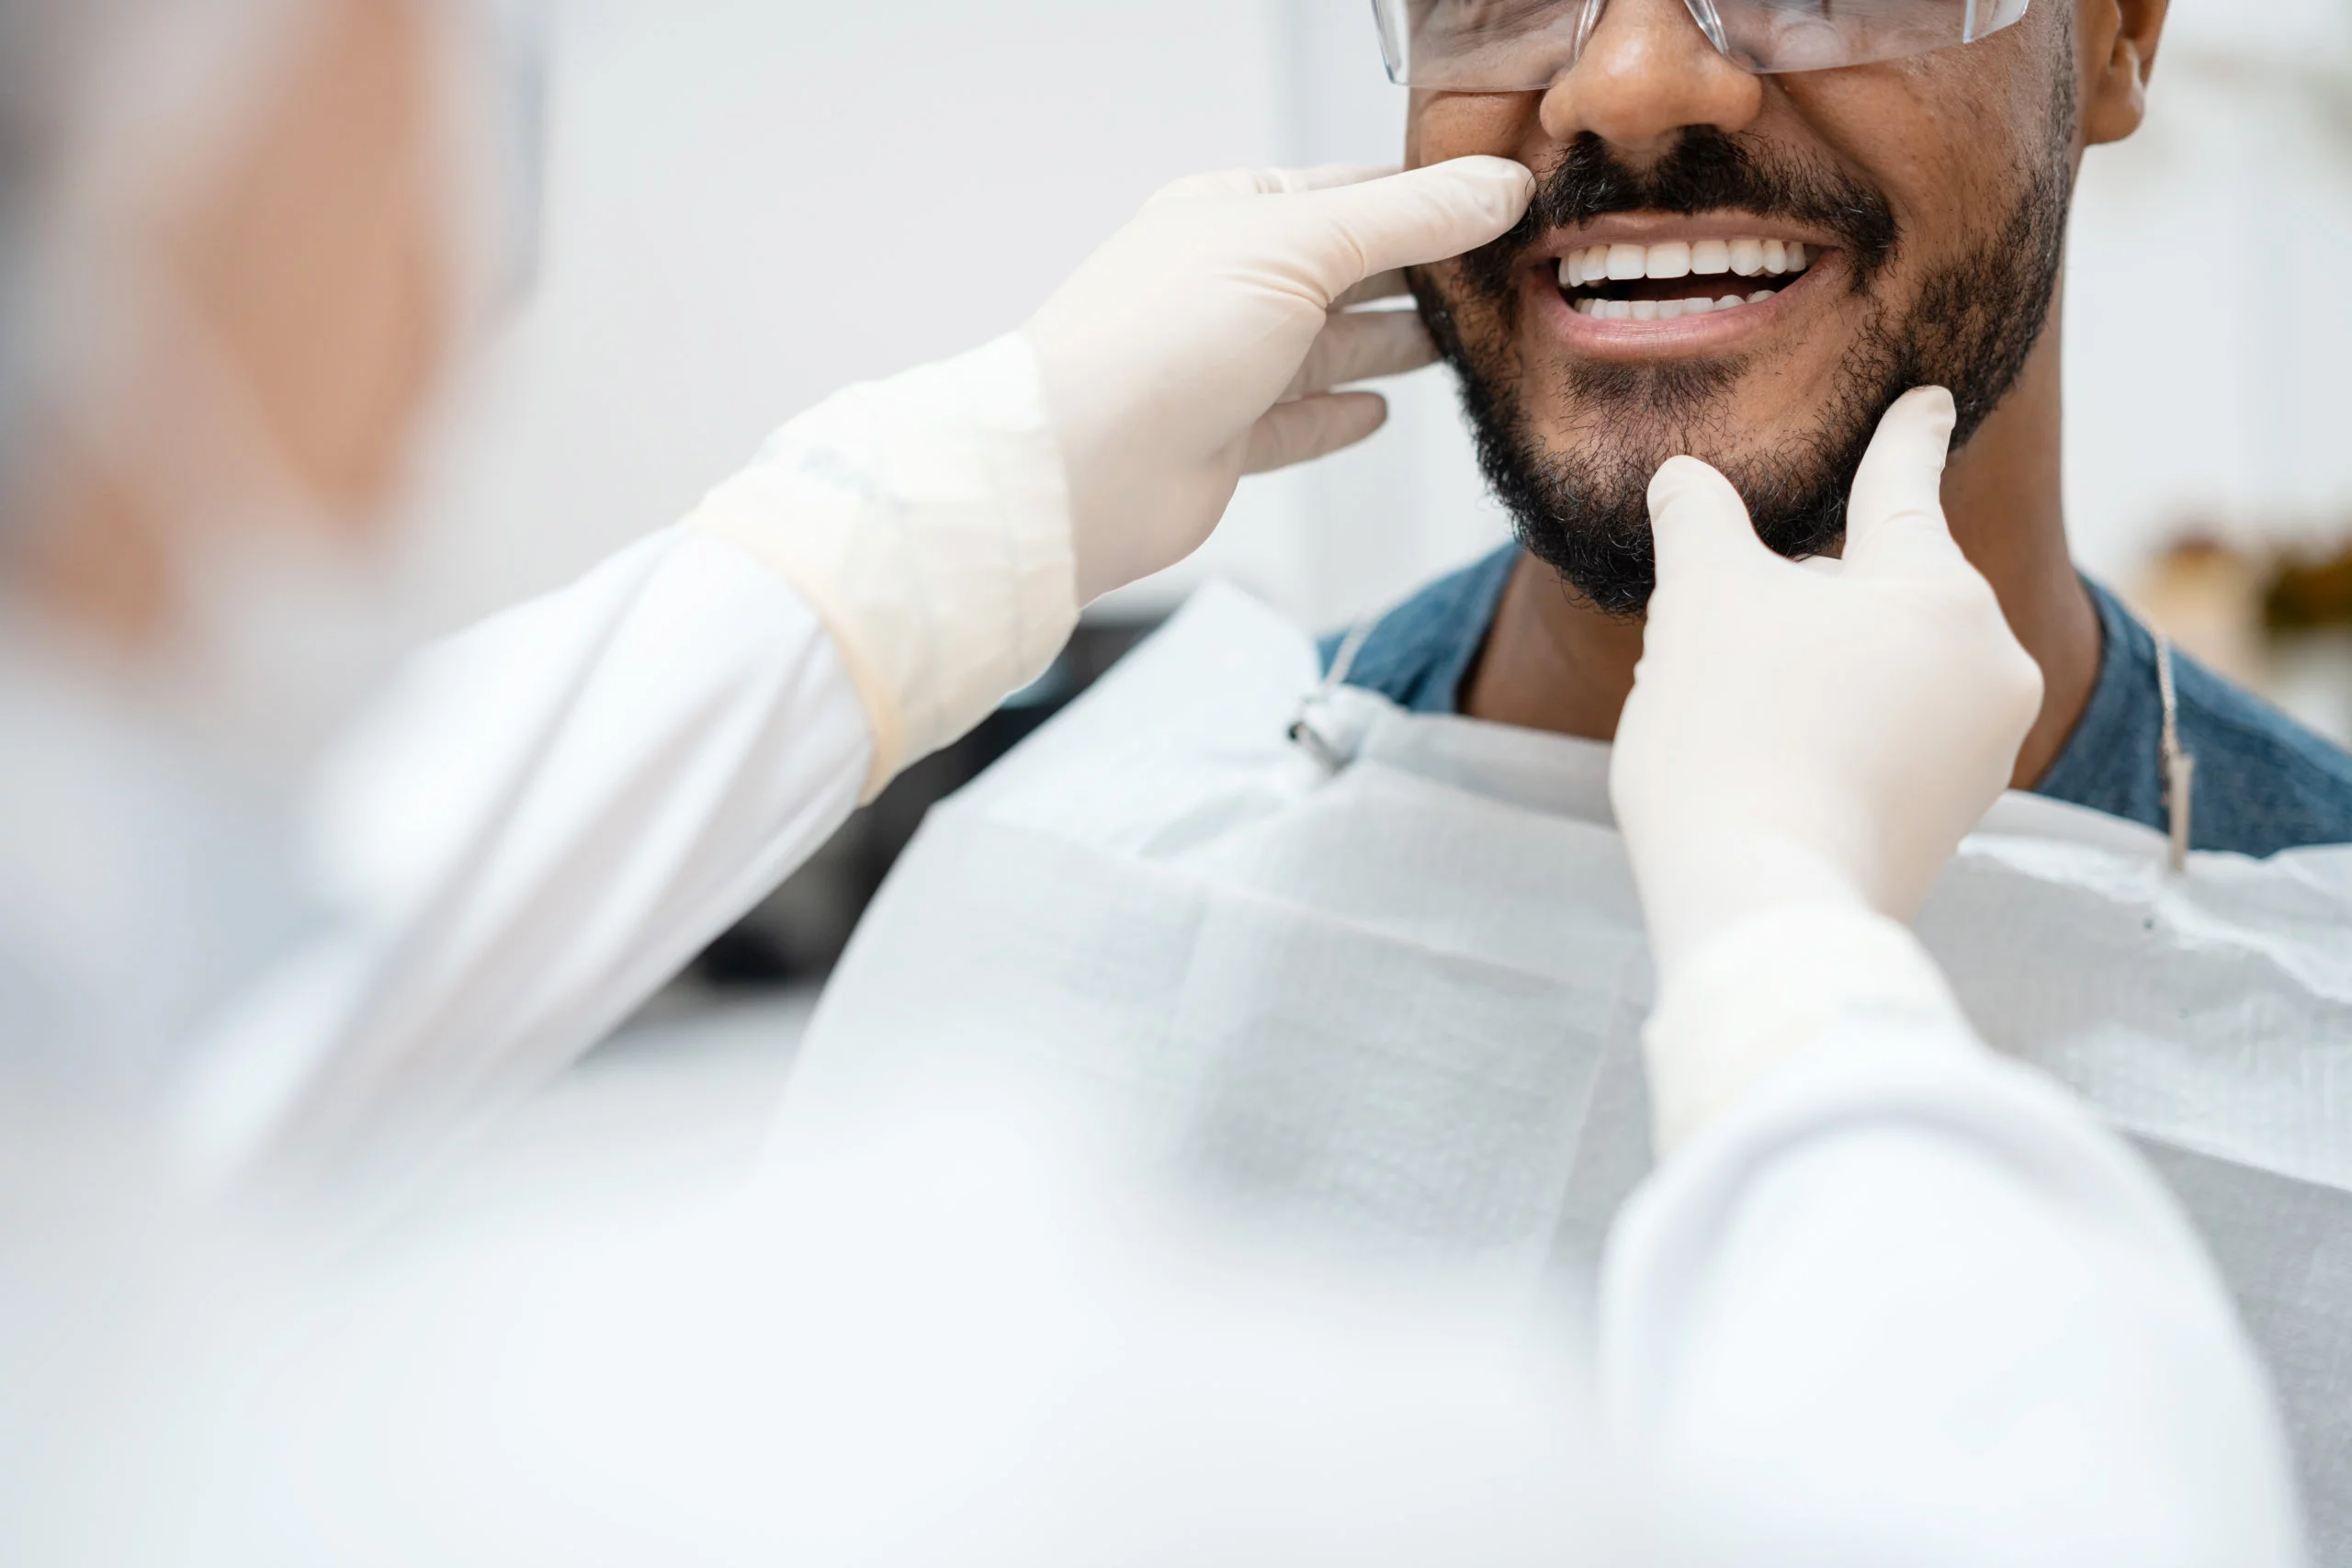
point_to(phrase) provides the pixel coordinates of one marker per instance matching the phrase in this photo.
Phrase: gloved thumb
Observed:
(1359, 230)
(1894, 521)
(1697, 520)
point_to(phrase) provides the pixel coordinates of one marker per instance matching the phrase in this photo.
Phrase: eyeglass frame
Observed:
(1703, 14)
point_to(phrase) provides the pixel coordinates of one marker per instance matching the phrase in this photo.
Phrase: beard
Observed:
(1585, 512)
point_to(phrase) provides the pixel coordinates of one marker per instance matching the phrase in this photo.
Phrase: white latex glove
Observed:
(1202, 344)
(1815, 733)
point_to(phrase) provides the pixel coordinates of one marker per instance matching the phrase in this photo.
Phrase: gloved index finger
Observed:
(1424, 215)
(1362, 345)
(1896, 517)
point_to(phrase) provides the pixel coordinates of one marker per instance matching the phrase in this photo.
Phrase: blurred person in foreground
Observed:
(1887, 1301)
(248, 242)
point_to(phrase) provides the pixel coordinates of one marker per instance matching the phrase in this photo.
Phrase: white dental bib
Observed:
(1402, 994)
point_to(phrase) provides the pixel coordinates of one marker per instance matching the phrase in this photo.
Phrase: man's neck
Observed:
(1552, 662)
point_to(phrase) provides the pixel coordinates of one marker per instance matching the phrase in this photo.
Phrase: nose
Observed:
(1646, 73)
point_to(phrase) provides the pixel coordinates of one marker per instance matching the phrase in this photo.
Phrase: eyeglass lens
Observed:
(1525, 45)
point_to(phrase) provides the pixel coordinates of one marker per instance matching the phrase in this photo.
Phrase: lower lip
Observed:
(1712, 333)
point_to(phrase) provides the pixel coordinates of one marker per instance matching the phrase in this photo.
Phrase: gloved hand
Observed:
(1202, 344)
(1824, 732)
(947, 525)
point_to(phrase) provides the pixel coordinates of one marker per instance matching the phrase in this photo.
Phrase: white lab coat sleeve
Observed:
(552, 813)
(1899, 1303)
(927, 521)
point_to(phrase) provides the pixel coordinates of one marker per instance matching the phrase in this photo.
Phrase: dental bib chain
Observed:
(1305, 732)
(2179, 766)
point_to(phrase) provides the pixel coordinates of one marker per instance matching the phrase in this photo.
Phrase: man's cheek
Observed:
(1440, 126)
(1467, 315)
(1949, 138)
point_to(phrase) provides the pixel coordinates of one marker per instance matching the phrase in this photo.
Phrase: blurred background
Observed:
(749, 203)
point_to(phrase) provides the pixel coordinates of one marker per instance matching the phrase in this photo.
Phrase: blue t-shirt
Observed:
(2264, 782)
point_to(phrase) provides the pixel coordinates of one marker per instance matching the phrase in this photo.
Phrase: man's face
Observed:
(1930, 197)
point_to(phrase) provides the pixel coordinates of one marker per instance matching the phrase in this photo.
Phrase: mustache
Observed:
(1706, 170)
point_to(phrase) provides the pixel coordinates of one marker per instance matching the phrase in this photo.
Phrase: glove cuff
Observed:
(1762, 994)
(926, 519)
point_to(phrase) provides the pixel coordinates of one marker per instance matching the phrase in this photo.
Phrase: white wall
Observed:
(2209, 311)
(753, 201)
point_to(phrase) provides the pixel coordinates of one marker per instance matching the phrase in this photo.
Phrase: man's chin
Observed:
(1571, 458)
(1584, 511)
(1656, 404)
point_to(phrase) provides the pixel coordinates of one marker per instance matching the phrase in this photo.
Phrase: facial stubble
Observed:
(1583, 510)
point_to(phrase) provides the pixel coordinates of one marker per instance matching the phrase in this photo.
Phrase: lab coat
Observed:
(1901, 1303)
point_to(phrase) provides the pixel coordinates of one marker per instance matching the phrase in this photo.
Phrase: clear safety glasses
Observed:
(1521, 46)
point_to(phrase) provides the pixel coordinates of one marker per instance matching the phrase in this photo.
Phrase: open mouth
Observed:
(1668, 281)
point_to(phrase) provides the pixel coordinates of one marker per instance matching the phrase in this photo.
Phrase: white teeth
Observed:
(1664, 309)
(1674, 259)
(1680, 258)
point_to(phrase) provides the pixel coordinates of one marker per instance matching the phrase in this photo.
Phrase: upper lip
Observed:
(1661, 228)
